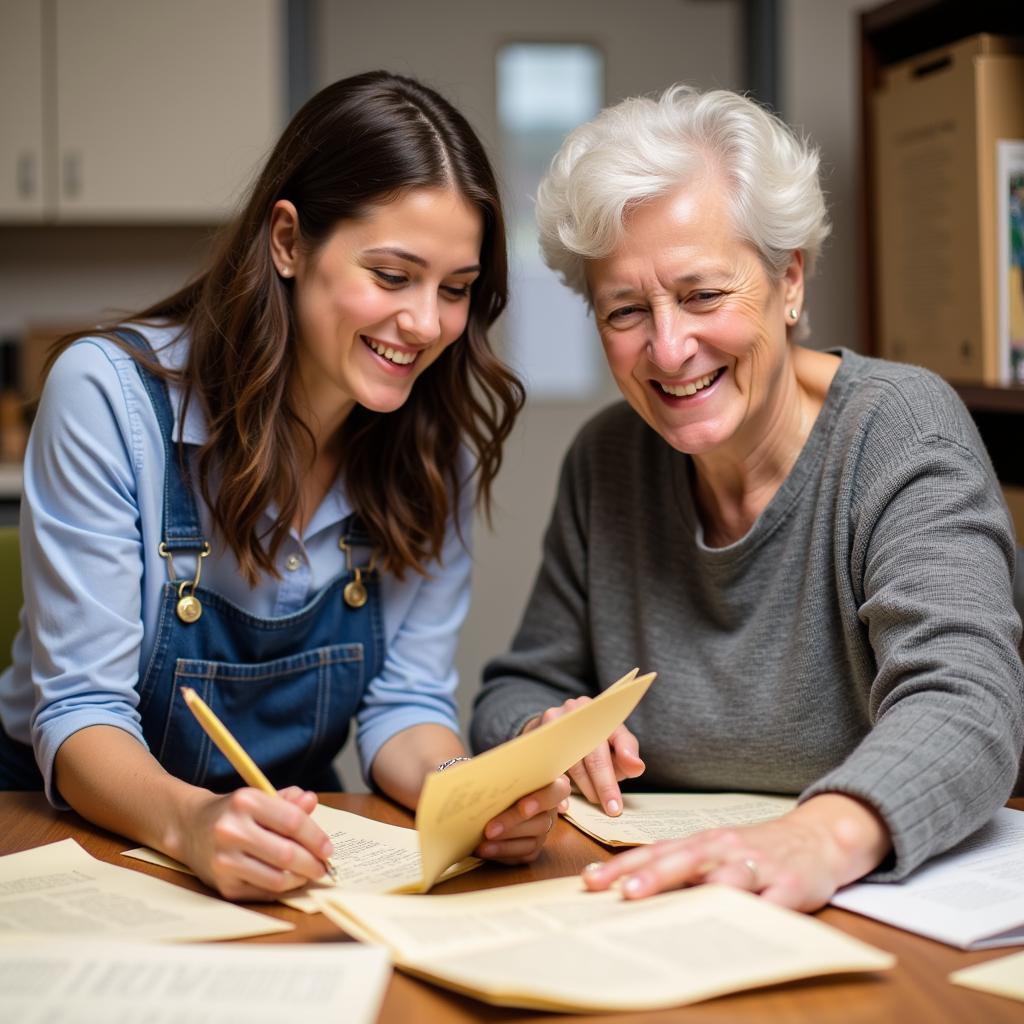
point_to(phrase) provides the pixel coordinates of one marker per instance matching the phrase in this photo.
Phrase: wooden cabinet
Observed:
(891, 33)
(120, 111)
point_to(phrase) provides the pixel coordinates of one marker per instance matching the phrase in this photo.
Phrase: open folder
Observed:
(456, 804)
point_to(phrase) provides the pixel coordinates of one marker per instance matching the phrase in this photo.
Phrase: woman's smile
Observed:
(689, 391)
(396, 358)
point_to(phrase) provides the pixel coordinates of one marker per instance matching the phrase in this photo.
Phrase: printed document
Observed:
(648, 817)
(454, 805)
(59, 890)
(971, 897)
(553, 945)
(369, 856)
(73, 982)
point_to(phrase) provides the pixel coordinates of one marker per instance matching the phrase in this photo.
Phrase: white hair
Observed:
(643, 148)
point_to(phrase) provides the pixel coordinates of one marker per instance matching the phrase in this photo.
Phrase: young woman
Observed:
(262, 487)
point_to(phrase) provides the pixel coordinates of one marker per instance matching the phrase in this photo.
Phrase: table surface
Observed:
(916, 990)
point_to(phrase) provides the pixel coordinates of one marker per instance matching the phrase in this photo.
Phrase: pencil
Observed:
(232, 750)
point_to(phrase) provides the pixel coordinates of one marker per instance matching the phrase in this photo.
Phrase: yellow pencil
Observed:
(232, 750)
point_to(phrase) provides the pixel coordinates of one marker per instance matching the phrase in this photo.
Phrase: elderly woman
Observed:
(808, 546)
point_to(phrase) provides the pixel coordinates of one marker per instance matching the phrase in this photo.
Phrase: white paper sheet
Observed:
(65, 982)
(971, 897)
(648, 817)
(59, 890)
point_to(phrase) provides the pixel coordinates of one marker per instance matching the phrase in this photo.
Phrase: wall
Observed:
(820, 95)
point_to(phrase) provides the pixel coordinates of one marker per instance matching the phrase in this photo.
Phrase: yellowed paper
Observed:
(554, 946)
(60, 890)
(369, 856)
(456, 804)
(1003, 976)
(74, 982)
(649, 817)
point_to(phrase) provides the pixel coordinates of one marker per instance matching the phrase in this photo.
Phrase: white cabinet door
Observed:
(21, 110)
(164, 110)
(136, 110)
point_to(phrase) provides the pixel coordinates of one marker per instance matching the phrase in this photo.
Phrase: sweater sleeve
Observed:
(551, 658)
(932, 559)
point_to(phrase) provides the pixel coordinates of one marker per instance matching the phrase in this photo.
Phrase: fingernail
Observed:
(563, 806)
(494, 830)
(489, 849)
(593, 867)
(631, 886)
(327, 850)
(613, 806)
(530, 808)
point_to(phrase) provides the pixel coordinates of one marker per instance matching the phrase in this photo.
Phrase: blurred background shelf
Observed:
(892, 33)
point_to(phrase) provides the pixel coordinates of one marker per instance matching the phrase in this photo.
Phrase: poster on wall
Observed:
(1010, 226)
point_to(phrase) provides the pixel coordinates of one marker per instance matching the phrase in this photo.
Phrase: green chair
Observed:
(10, 591)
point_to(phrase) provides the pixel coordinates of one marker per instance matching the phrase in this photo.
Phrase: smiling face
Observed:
(380, 300)
(693, 327)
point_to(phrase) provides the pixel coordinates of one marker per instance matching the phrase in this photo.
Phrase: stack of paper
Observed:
(555, 946)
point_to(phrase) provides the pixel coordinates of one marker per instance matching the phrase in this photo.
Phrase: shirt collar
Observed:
(170, 343)
(171, 346)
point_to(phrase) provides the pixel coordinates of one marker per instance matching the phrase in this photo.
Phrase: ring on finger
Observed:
(751, 865)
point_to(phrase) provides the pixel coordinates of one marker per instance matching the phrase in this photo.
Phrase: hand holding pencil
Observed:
(232, 750)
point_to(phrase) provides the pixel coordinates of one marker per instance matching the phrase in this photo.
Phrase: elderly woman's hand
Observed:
(798, 860)
(517, 835)
(598, 775)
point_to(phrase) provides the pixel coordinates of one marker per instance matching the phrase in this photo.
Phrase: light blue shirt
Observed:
(92, 574)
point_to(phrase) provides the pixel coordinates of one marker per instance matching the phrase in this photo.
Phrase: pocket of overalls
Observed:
(291, 715)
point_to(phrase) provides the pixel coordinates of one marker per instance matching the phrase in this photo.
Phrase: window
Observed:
(544, 91)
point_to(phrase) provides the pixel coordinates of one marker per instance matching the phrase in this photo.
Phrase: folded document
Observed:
(553, 945)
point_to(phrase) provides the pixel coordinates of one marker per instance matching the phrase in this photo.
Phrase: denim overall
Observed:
(285, 687)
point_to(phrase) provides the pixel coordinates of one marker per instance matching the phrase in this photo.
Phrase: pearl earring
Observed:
(794, 313)
(285, 271)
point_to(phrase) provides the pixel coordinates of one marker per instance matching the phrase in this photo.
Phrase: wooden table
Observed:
(914, 992)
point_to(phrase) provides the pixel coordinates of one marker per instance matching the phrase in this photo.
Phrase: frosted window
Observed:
(544, 91)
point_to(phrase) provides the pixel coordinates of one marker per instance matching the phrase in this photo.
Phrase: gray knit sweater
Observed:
(861, 638)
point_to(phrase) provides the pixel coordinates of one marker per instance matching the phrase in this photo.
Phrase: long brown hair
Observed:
(359, 142)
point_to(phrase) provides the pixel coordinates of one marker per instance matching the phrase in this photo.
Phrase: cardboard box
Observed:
(936, 120)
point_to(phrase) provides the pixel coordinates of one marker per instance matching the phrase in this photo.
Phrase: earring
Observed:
(794, 313)
(285, 271)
